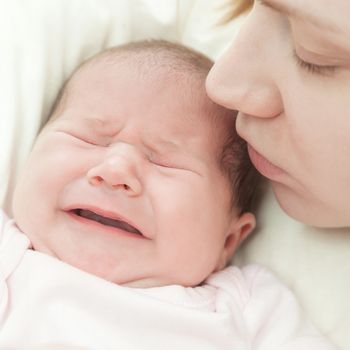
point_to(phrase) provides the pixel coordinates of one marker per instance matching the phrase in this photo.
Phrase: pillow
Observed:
(42, 41)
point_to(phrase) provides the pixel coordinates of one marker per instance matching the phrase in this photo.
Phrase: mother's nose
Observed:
(117, 171)
(245, 78)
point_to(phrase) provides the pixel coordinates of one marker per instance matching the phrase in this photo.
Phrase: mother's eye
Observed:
(312, 67)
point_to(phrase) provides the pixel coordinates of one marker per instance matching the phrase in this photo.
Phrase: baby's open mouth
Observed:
(90, 215)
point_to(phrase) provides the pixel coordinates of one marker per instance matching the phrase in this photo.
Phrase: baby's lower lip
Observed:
(99, 226)
(264, 166)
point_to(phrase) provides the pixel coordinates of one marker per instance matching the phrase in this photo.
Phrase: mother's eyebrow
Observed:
(290, 9)
(280, 7)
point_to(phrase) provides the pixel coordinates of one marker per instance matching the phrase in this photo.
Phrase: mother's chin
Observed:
(308, 209)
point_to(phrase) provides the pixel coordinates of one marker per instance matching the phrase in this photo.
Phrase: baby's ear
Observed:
(239, 230)
(243, 227)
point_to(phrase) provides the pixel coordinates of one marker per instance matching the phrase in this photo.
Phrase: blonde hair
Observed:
(237, 8)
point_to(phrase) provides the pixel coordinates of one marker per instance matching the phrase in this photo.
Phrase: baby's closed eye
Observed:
(87, 138)
(172, 162)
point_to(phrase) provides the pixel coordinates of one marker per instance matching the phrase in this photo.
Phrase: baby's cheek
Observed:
(40, 182)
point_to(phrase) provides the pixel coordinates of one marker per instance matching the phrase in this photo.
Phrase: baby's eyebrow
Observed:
(98, 124)
(154, 143)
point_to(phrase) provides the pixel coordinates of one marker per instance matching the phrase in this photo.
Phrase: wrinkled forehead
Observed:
(167, 111)
(139, 66)
(126, 84)
(169, 99)
(130, 75)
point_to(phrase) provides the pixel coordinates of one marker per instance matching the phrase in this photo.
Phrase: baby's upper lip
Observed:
(105, 213)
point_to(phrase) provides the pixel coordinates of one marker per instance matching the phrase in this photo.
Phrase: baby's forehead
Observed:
(190, 92)
(187, 83)
(174, 62)
(186, 89)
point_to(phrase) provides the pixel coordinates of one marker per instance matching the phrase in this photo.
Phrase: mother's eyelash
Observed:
(313, 68)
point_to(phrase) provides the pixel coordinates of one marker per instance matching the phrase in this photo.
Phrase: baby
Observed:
(140, 180)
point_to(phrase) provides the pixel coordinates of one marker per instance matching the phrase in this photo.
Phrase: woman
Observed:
(288, 75)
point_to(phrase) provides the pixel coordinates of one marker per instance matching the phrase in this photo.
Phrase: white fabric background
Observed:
(41, 41)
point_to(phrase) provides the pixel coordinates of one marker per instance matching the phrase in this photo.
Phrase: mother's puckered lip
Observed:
(105, 213)
(248, 139)
(264, 165)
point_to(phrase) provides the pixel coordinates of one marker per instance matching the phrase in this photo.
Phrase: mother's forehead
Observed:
(322, 13)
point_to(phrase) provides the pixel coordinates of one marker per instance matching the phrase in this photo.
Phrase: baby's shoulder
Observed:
(245, 277)
(13, 244)
(3, 217)
(268, 310)
(245, 283)
(4, 225)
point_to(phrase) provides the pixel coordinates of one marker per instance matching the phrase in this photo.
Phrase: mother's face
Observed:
(288, 73)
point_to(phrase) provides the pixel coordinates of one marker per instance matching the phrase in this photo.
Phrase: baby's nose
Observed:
(119, 170)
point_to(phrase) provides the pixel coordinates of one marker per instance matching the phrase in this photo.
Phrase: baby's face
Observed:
(124, 184)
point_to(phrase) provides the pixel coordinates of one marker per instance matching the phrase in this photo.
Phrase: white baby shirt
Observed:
(45, 301)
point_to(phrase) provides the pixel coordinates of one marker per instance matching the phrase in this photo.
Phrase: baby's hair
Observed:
(149, 57)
